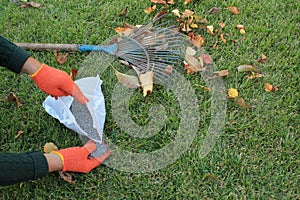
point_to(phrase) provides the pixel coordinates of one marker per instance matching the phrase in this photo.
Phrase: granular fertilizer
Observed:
(85, 121)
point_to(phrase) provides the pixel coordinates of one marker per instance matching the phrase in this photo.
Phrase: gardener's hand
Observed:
(57, 83)
(76, 159)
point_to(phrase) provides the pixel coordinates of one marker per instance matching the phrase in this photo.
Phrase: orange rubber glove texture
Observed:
(76, 159)
(57, 83)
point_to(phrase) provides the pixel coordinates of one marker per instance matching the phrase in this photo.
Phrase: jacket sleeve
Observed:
(19, 167)
(12, 56)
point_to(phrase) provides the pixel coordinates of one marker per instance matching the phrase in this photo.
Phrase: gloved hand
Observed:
(57, 83)
(76, 159)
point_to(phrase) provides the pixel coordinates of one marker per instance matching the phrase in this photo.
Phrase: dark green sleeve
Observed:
(12, 56)
(20, 167)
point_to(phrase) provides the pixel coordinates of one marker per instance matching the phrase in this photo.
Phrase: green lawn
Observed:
(256, 157)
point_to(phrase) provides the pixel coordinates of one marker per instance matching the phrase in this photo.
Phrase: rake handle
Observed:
(111, 49)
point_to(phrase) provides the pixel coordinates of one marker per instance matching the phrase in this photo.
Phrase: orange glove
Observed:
(76, 159)
(57, 83)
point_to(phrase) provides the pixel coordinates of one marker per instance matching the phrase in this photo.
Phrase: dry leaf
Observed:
(205, 88)
(73, 73)
(210, 29)
(192, 64)
(66, 177)
(232, 93)
(240, 26)
(187, 2)
(241, 102)
(124, 12)
(222, 73)
(19, 133)
(247, 68)
(171, 2)
(242, 31)
(268, 87)
(150, 9)
(263, 59)
(234, 10)
(222, 24)
(13, 97)
(213, 10)
(159, 1)
(168, 69)
(196, 39)
(190, 51)
(49, 146)
(60, 58)
(222, 38)
(127, 80)
(206, 58)
(146, 80)
(176, 12)
(31, 4)
(275, 88)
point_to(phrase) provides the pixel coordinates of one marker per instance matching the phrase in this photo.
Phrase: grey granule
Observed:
(85, 121)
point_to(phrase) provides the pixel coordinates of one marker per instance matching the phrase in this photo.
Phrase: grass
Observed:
(257, 157)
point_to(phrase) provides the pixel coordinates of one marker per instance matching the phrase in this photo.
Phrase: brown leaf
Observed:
(241, 102)
(187, 2)
(206, 58)
(13, 97)
(268, 87)
(205, 88)
(222, 24)
(30, 4)
(73, 73)
(222, 38)
(234, 10)
(146, 80)
(210, 29)
(196, 39)
(222, 73)
(192, 64)
(19, 133)
(171, 2)
(164, 2)
(60, 58)
(124, 12)
(66, 177)
(213, 10)
(127, 80)
(150, 9)
(49, 146)
(158, 15)
(168, 69)
(275, 88)
(263, 59)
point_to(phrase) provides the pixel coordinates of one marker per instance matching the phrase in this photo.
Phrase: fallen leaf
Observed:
(150, 9)
(213, 10)
(190, 51)
(205, 88)
(216, 44)
(240, 26)
(66, 177)
(146, 80)
(171, 2)
(13, 97)
(275, 88)
(168, 69)
(196, 39)
(176, 12)
(222, 73)
(206, 58)
(19, 133)
(233, 10)
(30, 4)
(124, 12)
(49, 146)
(263, 59)
(252, 75)
(241, 102)
(242, 31)
(268, 87)
(159, 2)
(61, 58)
(232, 93)
(210, 29)
(247, 68)
(73, 73)
(193, 65)
(126, 80)
(222, 24)
(187, 2)
(222, 38)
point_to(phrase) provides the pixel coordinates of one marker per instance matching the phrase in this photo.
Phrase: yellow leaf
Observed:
(176, 12)
(146, 80)
(210, 29)
(127, 80)
(222, 24)
(232, 93)
(50, 146)
(150, 9)
(234, 10)
(242, 31)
